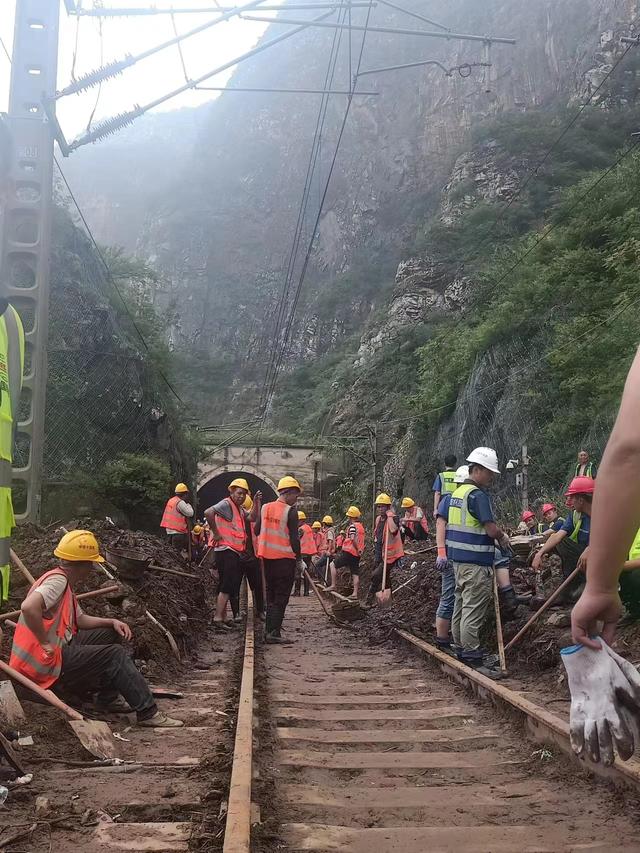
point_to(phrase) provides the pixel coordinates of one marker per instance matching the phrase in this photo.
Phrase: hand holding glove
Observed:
(605, 702)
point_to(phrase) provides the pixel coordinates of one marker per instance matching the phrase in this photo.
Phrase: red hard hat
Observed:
(581, 486)
(548, 507)
(527, 514)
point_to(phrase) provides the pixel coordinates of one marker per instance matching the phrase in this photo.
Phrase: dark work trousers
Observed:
(376, 578)
(178, 541)
(96, 660)
(569, 552)
(279, 576)
(417, 534)
(300, 576)
(253, 575)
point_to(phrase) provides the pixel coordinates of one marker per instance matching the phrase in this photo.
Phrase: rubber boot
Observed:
(296, 586)
(278, 618)
(508, 602)
(306, 585)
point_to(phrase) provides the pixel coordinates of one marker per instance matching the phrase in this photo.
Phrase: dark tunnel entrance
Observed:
(218, 487)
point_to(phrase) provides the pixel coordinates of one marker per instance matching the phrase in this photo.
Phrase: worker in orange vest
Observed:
(249, 560)
(414, 523)
(175, 518)
(387, 541)
(198, 542)
(229, 535)
(352, 550)
(279, 548)
(56, 643)
(308, 549)
(340, 540)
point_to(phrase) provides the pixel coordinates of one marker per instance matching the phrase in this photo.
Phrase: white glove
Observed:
(605, 693)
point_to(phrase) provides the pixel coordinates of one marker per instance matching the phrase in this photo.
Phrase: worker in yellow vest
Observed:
(175, 518)
(387, 540)
(445, 481)
(229, 535)
(279, 548)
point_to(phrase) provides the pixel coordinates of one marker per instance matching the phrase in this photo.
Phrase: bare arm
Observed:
(548, 546)
(391, 522)
(615, 518)
(495, 532)
(210, 515)
(436, 501)
(86, 623)
(441, 534)
(31, 610)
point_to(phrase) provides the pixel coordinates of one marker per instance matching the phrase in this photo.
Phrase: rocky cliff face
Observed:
(220, 230)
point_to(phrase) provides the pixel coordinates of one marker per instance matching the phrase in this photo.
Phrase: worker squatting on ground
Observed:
(413, 524)
(308, 550)
(387, 545)
(471, 538)
(444, 481)
(229, 537)
(551, 520)
(11, 373)
(279, 548)
(58, 646)
(352, 550)
(571, 541)
(175, 518)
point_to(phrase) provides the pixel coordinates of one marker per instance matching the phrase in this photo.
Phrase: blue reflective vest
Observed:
(467, 540)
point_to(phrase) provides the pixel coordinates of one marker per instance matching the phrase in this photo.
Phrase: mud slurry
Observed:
(172, 796)
(372, 750)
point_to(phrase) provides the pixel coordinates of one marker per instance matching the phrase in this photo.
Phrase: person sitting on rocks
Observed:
(56, 645)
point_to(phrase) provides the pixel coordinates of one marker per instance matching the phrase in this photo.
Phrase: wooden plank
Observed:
(476, 736)
(358, 699)
(443, 839)
(447, 713)
(237, 835)
(156, 837)
(394, 760)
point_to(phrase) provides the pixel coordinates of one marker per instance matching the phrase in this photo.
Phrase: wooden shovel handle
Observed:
(317, 594)
(17, 562)
(93, 594)
(565, 583)
(47, 695)
(386, 554)
(496, 604)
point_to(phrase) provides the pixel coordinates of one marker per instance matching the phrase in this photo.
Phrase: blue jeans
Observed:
(448, 593)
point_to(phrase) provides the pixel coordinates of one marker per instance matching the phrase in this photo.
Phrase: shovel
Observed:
(496, 604)
(95, 736)
(384, 596)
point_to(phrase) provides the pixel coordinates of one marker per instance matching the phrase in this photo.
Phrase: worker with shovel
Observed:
(55, 643)
(388, 550)
(279, 548)
(308, 550)
(472, 534)
(229, 535)
(352, 550)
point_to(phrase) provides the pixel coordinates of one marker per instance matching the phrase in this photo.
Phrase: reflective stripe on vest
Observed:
(467, 541)
(26, 653)
(394, 549)
(325, 545)
(576, 519)
(355, 545)
(172, 519)
(274, 542)
(588, 470)
(448, 480)
(307, 541)
(233, 534)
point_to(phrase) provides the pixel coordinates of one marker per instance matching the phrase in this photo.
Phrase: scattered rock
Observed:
(559, 620)
(43, 806)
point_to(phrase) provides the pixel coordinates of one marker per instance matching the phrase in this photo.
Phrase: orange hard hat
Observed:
(581, 486)
(527, 514)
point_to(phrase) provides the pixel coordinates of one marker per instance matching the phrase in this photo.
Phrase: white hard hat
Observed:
(462, 474)
(486, 457)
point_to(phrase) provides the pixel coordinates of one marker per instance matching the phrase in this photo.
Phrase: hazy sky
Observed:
(148, 79)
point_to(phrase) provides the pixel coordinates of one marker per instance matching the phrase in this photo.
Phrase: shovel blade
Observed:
(96, 737)
(384, 597)
(11, 713)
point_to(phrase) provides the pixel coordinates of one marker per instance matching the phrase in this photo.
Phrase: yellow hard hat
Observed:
(327, 520)
(181, 489)
(197, 528)
(316, 525)
(407, 503)
(301, 515)
(240, 482)
(79, 546)
(289, 483)
(353, 512)
(248, 503)
(383, 499)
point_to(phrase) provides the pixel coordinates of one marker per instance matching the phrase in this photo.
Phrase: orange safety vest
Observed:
(411, 521)
(274, 542)
(233, 534)
(172, 519)
(27, 655)
(355, 546)
(307, 541)
(339, 541)
(394, 548)
(321, 540)
(326, 546)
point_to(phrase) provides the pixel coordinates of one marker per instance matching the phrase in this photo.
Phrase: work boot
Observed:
(112, 705)
(296, 587)
(306, 586)
(222, 627)
(161, 721)
(508, 602)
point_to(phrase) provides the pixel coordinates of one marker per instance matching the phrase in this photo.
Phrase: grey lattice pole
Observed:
(24, 262)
